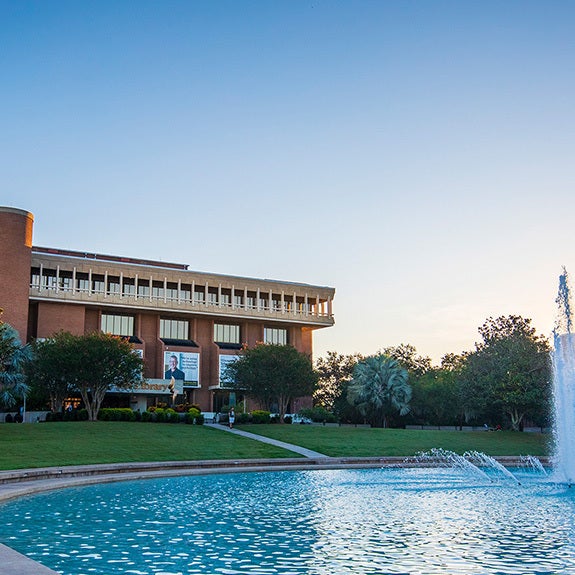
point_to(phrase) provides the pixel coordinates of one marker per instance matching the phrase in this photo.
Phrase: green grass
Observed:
(80, 443)
(365, 442)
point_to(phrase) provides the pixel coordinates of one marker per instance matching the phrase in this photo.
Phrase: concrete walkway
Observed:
(289, 446)
(14, 563)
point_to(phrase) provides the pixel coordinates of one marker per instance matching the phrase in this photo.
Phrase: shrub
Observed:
(116, 414)
(83, 415)
(159, 415)
(318, 415)
(243, 418)
(192, 415)
(75, 415)
(147, 416)
(172, 416)
(260, 416)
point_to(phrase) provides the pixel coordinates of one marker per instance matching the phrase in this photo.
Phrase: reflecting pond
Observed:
(361, 522)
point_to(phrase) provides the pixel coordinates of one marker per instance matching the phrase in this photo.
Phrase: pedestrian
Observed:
(232, 417)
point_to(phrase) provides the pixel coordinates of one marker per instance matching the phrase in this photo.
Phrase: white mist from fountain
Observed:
(483, 460)
(564, 387)
(532, 463)
(475, 463)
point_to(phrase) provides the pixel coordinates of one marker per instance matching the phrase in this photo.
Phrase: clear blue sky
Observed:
(418, 156)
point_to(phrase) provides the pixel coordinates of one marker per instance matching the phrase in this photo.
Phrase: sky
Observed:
(415, 155)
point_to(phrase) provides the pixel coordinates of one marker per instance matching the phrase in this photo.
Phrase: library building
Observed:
(187, 325)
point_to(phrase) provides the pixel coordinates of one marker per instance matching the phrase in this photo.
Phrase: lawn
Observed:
(364, 441)
(84, 442)
(78, 443)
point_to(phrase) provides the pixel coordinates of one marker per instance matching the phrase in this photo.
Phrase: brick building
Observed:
(190, 321)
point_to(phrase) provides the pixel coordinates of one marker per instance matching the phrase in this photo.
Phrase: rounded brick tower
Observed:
(15, 262)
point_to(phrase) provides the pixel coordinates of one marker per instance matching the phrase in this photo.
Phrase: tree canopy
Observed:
(272, 374)
(334, 373)
(509, 373)
(379, 388)
(13, 359)
(406, 356)
(90, 364)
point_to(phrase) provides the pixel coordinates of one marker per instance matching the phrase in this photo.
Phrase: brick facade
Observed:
(44, 290)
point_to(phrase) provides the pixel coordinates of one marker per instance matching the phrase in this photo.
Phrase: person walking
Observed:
(232, 417)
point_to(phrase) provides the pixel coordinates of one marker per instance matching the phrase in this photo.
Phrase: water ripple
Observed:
(364, 522)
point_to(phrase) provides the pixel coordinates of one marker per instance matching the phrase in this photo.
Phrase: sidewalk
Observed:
(14, 563)
(289, 446)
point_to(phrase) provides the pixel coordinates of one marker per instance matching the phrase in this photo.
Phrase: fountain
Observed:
(532, 463)
(564, 387)
(474, 463)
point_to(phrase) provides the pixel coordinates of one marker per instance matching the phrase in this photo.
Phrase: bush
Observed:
(116, 414)
(82, 415)
(318, 415)
(172, 416)
(192, 415)
(243, 418)
(75, 415)
(147, 416)
(260, 416)
(159, 414)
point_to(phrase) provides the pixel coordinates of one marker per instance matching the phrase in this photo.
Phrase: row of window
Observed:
(169, 291)
(123, 325)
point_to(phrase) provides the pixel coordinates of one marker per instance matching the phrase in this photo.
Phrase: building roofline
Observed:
(102, 258)
(108, 258)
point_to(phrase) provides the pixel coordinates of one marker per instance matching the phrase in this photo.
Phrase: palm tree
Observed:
(13, 357)
(379, 387)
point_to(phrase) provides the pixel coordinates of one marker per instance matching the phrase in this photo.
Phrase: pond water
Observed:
(336, 522)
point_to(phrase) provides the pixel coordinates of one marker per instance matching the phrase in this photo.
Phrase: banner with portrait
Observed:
(182, 365)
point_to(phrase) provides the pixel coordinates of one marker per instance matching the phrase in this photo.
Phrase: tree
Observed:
(13, 359)
(334, 372)
(406, 356)
(509, 373)
(272, 373)
(436, 397)
(91, 364)
(49, 372)
(379, 388)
